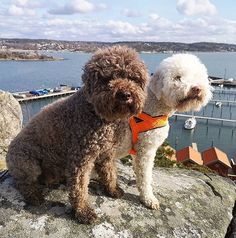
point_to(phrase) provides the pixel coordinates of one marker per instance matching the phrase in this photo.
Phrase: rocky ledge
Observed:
(10, 123)
(192, 205)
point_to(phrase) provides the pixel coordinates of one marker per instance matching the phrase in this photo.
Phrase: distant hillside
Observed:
(41, 44)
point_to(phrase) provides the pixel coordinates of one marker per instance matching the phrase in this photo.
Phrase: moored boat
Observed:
(190, 123)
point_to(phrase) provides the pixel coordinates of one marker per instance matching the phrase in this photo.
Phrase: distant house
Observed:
(189, 156)
(216, 160)
(233, 165)
(232, 172)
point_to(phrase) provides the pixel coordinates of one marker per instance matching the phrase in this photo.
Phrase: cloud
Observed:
(15, 11)
(159, 22)
(21, 3)
(30, 4)
(23, 24)
(196, 7)
(120, 28)
(23, 8)
(101, 6)
(130, 13)
(76, 6)
(19, 11)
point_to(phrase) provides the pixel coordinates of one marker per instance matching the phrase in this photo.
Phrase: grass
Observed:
(126, 160)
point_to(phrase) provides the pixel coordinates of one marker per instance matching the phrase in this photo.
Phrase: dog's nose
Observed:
(195, 91)
(123, 96)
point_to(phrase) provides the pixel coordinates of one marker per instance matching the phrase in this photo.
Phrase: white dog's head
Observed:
(182, 83)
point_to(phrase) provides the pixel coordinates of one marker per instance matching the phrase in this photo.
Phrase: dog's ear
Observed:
(156, 84)
(89, 77)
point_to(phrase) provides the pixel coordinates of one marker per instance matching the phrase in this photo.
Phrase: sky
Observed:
(120, 20)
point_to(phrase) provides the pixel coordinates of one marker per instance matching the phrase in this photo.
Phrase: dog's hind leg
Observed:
(31, 191)
(143, 164)
(105, 167)
(26, 174)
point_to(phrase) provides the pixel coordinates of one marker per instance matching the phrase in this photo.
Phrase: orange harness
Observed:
(144, 122)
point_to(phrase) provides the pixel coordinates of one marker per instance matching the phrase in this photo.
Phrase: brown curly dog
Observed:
(67, 138)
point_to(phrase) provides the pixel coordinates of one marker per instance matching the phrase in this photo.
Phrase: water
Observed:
(24, 76)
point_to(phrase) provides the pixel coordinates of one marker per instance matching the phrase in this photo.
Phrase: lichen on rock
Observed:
(189, 208)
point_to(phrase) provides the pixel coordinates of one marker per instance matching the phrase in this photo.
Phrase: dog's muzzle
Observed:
(194, 92)
(124, 97)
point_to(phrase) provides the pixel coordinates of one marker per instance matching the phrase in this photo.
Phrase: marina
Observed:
(224, 82)
(176, 115)
(23, 76)
(216, 126)
(49, 95)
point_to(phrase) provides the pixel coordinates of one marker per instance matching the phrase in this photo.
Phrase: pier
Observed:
(224, 91)
(222, 101)
(225, 83)
(206, 118)
(49, 95)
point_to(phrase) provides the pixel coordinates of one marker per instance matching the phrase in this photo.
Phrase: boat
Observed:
(18, 95)
(190, 123)
(218, 104)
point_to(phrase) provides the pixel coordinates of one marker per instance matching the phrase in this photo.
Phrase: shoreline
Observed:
(25, 55)
(139, 51)
(13, 59)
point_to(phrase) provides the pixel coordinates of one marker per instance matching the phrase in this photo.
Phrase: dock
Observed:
(222, 81)
(66, 91)
(49, 95)
(225, 83)
(223, 101)
(224, 91)
(206, 118)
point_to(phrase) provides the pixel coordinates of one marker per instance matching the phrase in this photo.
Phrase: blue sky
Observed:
(120, 20)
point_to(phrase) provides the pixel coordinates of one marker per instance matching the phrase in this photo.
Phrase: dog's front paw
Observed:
(86, 215)
(151, 202)
(115, 193)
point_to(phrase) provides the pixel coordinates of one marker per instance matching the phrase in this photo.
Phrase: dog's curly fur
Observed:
(67, 138)
(180, 84)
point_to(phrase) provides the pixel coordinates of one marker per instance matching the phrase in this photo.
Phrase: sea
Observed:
(16, 76)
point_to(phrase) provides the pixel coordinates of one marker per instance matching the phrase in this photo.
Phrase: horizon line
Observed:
(125, 41)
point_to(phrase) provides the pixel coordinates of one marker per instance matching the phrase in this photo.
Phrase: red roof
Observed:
(189, 154)
(214, 155)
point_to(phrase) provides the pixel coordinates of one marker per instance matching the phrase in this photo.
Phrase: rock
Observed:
(10, 123)
(231, 231)
(193, 205)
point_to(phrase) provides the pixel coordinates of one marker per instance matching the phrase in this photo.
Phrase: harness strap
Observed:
(144, 122)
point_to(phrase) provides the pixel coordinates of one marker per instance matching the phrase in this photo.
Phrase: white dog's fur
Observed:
(180, 84)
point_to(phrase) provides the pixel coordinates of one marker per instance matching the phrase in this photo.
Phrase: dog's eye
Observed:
(139, 81)
(177, 78)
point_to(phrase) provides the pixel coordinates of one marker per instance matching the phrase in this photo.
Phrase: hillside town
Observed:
(89, 46)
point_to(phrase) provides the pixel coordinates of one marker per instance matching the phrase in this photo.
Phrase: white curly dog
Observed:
(180, 84)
